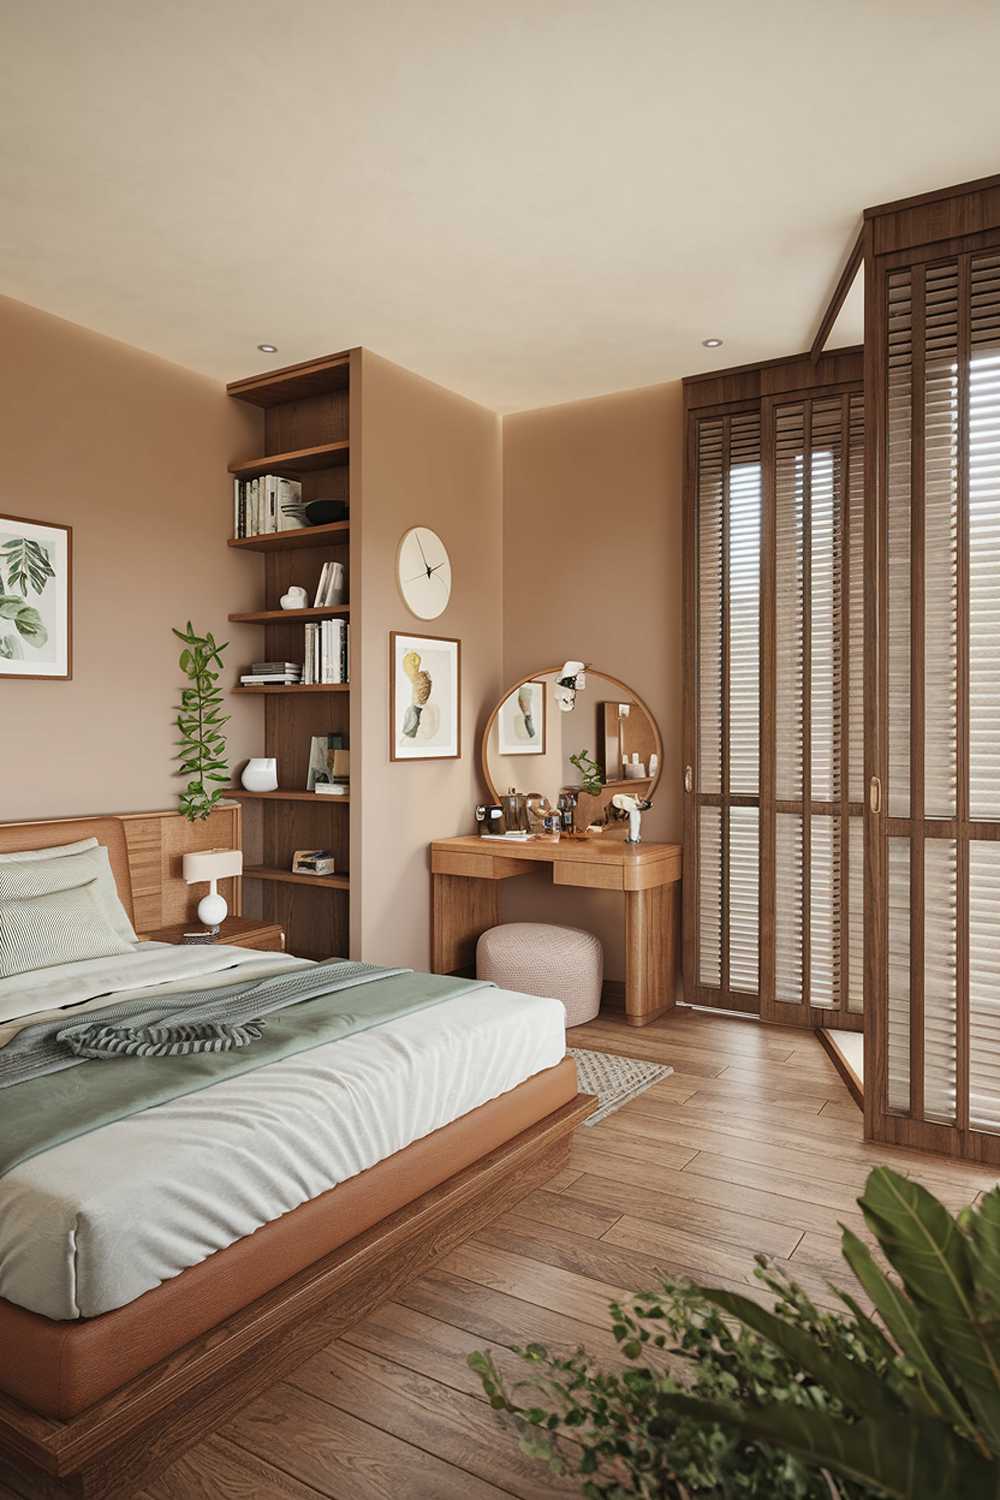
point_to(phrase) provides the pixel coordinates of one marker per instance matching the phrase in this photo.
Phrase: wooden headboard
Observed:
(146, 850)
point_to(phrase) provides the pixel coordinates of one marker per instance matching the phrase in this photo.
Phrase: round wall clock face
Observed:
(424, 572)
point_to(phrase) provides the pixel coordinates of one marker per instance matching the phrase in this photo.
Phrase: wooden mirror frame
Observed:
(550, 672)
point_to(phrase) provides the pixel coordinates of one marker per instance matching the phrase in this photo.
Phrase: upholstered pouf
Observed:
(537, 959)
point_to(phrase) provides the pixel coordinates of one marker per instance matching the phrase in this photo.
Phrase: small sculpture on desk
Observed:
(632, 808)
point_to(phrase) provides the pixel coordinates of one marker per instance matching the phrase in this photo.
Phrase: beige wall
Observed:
(131, 452)
(592, 570)
(431, 458)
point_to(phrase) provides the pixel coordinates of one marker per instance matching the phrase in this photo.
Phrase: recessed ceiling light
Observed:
(268, 348)
(706, 343)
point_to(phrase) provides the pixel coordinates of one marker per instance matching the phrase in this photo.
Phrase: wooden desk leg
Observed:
(463, 908)
(650, 946)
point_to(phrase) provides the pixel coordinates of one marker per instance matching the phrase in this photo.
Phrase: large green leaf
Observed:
(925, 1246)
(984, 1252)
(903, 1321)
(853, 1385)
(29, 624)
(10, 604)
(27, 562)
(909, 1457)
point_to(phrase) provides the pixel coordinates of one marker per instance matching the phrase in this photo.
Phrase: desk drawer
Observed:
(596, 877)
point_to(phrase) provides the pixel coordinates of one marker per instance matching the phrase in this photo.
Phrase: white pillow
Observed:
(55, 852)
(37, 932)
(22, 879)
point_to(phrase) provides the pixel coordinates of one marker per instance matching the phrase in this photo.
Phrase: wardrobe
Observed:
(842, 711)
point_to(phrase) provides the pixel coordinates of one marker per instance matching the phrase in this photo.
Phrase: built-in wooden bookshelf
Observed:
(306, 434)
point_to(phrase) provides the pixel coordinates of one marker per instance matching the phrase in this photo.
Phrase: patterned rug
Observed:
(615, 1080)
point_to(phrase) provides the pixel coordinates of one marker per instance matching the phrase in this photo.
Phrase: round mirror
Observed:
(586, 733)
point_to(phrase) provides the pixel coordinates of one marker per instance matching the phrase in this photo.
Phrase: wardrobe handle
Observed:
(875, 794)
(688, 779)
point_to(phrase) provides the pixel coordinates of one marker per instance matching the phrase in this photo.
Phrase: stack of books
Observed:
(327, 653)
(267, 504)
(261, 672)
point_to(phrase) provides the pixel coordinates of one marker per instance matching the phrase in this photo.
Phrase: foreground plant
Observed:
(202, 753)
(721, 1397)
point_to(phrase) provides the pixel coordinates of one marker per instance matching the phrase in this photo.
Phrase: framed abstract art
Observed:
(36, 599)
(425, 697)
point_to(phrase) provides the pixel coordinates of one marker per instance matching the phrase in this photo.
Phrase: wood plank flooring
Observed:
(752, 1144)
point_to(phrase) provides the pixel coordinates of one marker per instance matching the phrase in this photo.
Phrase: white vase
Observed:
(261, 774)
(296, 598)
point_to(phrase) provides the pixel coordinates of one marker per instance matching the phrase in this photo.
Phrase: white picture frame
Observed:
(425, 697)
(36, 600)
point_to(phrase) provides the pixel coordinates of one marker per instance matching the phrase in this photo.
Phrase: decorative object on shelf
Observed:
(212, 865)
(36, 599)
(332, 788)
(633, 808)
(325, 512)
(295, 598)
(569, 682)
(261, 774)
(314, 862)
(423, 570)
(521, 721)
(635, 770)
(489, 818)
(425, 697)
(539, 812)
(323, 752)
(200, 719)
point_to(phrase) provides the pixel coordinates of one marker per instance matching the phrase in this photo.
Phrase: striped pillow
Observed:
(59, 928)
(23, 879)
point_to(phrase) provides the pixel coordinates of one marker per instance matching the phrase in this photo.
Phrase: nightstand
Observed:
(239, 932)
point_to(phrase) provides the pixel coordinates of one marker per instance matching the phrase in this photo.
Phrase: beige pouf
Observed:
(538, 959)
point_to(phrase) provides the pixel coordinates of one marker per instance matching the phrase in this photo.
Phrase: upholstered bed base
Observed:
(59, 1369)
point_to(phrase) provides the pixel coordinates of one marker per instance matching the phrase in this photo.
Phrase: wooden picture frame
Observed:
(36, 600)
(510, 746)
(437, 673)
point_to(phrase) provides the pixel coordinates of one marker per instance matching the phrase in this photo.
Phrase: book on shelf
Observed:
(327, 660)
(332, 788)
(267, 504)
(287, 672)
(330, 589)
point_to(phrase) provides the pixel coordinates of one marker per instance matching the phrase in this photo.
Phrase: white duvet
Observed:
(94, 1223)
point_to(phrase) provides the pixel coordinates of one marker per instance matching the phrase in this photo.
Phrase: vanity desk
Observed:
(466, 872)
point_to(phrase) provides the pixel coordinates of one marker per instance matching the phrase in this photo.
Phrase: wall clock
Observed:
(423, 568)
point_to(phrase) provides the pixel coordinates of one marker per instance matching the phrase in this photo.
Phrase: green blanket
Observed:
(46, 1111)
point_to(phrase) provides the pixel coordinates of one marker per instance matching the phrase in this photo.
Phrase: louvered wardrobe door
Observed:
(938, 913)
(722, 873)
(813, 842)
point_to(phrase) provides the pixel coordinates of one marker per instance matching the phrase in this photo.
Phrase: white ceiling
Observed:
(528, 202)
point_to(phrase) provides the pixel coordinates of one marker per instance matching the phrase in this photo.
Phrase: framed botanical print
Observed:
(36, 599)
(425, 697)
(521, 721)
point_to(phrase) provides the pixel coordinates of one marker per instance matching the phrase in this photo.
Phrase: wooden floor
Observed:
(753, 1144)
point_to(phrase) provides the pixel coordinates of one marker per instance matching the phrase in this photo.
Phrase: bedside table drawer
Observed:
(271, 941)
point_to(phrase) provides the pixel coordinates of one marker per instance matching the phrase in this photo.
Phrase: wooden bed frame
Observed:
(110, 1449)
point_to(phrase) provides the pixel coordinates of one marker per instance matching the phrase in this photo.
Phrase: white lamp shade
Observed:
(212, 864)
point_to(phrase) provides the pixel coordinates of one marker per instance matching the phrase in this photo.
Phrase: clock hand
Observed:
(417, 578)
(423, 554)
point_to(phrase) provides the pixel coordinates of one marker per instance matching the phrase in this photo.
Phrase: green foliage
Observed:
(718, 1396)
(26, 562)
(25, 618)
(590, 772)
(202, 753)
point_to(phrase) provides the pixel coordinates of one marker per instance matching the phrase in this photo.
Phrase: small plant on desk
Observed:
(590, 772)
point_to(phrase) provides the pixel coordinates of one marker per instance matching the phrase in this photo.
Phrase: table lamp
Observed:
(212, 865)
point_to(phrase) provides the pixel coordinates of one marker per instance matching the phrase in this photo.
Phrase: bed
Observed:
(163, 1262)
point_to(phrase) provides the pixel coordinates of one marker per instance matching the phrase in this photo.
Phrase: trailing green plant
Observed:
(202, 753)
(27, 564)
(719, 1396)
(590, 772)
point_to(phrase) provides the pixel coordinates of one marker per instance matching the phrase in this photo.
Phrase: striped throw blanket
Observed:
(180, 1025)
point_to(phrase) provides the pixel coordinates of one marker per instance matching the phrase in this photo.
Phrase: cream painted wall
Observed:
(131, 452)
(592, 516)
(431, 458)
